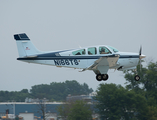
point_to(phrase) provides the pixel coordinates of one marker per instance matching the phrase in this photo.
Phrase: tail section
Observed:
(25, 46)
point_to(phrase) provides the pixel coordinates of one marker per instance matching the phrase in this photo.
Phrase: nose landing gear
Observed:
(100, 77)
(136, 77)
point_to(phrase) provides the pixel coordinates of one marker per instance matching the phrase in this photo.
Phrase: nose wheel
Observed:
(137, 77)
(100, 77)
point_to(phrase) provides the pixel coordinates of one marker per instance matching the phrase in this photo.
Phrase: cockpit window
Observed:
(79, 52)
(92, 51)
(104, 50)
(114, 49)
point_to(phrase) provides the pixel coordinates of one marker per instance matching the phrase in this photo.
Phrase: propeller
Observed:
(141, 56)
(140, 50)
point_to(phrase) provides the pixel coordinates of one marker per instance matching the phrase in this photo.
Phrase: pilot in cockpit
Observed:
(102, 51)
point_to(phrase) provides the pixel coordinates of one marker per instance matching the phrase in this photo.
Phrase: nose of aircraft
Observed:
(142, 56)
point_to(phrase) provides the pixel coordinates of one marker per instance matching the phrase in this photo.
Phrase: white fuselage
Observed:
(66, 59)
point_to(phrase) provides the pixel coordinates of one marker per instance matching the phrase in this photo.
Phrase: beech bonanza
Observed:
(99, 58)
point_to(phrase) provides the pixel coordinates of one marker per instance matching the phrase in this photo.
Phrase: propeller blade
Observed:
(140, 52)
(140, 57)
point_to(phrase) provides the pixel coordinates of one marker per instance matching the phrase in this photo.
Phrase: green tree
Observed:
(76, 110)
(152, 113)
(14, 95)
(55, 91)
(80, 111)
(116, 102)
(147, 87)
(59, 91)
(24, 91)
(147, 82)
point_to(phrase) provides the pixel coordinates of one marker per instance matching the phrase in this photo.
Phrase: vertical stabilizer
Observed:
(25, 46)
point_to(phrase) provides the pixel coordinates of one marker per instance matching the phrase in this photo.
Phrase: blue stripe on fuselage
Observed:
(53, 57)
(129, 56)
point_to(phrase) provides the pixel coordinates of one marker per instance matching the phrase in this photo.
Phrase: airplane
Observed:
(98, 58)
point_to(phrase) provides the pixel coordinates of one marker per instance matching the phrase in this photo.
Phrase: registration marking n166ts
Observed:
(66, 62)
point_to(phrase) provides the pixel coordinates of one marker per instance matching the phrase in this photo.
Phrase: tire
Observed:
(137, 77)
(99, 77)
(105, 77)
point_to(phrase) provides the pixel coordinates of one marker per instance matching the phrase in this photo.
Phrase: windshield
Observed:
(79, 52)
(114, 49)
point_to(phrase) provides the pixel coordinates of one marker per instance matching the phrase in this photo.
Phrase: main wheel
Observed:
(99, 77)
(137, 77)
(105, 77)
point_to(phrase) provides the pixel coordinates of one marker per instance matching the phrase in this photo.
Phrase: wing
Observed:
(102, 65)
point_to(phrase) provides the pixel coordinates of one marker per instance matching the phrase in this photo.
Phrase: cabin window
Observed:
(104, 50)
(79, 52)
(92, 51)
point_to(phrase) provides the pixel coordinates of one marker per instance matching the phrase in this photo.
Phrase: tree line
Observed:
(55, 91)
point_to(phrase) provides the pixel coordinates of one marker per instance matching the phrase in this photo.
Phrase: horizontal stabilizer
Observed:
(33, 56)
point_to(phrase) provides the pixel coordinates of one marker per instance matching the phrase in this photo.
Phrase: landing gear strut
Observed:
(100, 77)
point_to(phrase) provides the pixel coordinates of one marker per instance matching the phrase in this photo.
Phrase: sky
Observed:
(66, 24)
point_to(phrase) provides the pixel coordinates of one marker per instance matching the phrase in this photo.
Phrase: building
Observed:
(31, 108)
(16, 108)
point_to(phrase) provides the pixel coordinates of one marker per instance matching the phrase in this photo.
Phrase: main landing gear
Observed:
(100, 77)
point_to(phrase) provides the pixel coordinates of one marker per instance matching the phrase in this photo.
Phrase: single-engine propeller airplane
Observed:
(99, 58)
